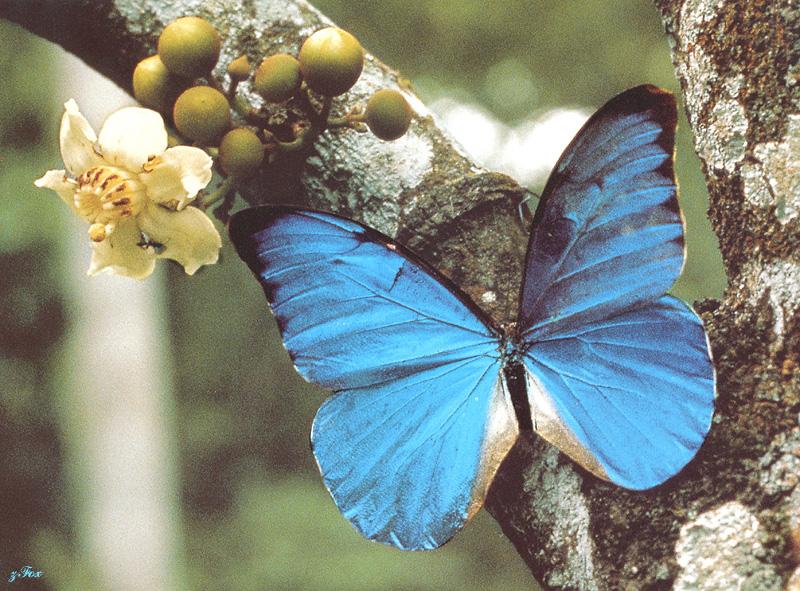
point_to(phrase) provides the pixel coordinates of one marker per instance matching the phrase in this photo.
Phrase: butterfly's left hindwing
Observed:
(421, 418)
(631, 397)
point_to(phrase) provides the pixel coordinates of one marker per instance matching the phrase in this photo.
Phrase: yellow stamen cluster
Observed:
(106, 195)
(97, 232)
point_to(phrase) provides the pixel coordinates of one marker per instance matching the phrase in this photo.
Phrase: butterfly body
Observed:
(514, 374)
(430, 394)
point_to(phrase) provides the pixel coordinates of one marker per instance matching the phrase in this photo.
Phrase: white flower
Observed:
(134, 192)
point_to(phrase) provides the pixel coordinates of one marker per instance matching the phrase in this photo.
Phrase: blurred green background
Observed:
(251, 512)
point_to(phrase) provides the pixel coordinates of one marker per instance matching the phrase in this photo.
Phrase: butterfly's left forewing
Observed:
(620, 375)
(421, 418)
(607, 234)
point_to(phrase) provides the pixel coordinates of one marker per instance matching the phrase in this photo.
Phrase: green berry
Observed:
(241, 153)
(202, 114)
(154, 86)
(189, 46)
(239, 69)
(331, 61)
(278, 78)
(388, 114)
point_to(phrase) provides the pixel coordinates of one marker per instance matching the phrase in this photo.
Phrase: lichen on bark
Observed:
(737, 63)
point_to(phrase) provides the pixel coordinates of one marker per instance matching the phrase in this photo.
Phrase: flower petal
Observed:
(130, 136)
(119, 253)
(77, 140)
(188, 236)
(57, 181)
(174, 178)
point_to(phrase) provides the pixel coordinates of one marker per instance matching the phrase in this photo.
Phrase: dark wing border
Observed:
(247, 222)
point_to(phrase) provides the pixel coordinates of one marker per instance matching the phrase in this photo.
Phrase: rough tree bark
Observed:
(732, 518)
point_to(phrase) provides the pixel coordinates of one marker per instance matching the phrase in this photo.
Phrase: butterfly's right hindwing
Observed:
(629, 398)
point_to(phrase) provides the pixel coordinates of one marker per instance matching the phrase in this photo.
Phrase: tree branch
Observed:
(731, 518)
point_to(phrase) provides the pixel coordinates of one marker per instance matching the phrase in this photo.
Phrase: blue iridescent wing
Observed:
(619, 376)
(630, 398)
(422, 417)
(409, 462)
(607, 233)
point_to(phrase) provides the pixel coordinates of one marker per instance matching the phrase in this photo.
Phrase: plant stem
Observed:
(225, 188)
(346, 121)
(305, 138)
(232, 90)
(240, 105)
(213, 83)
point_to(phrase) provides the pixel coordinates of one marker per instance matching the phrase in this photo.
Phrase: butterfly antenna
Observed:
(454, 215)
(524, 210)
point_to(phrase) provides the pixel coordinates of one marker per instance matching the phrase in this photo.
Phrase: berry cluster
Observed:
(177, 82)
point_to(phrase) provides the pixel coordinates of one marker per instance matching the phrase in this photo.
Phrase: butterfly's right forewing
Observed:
(422, 417)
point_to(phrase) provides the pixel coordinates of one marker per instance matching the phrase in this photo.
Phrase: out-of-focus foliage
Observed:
(25, 117)
(516, 55)
(290, 536)
(257, 516)
(32, 315)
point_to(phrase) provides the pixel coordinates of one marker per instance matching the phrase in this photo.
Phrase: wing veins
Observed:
(404, 361)
(375, 427)
(595, 263)
(655, 189)
(304, 292)
(605, 397)
(662, 157)
(628, 346)
(447, 423)
(586, 330)
(584, 380)
(568, 250)
(601, 148)
(412, 309)
(574, 313)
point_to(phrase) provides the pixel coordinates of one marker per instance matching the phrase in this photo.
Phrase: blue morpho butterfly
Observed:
(605, 366)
